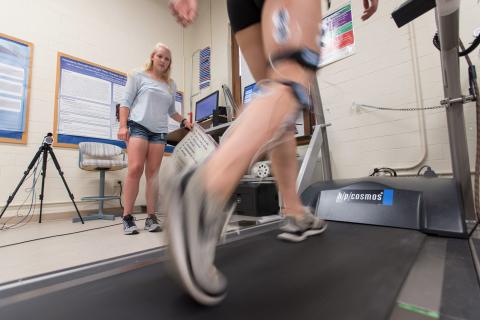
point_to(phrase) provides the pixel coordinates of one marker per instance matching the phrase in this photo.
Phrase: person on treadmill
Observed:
(280, 40)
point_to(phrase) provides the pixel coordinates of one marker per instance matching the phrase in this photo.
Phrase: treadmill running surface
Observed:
(349, 272)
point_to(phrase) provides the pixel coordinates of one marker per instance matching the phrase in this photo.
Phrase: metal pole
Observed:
(320, 117)
(318, 145)
(191, 84)
(447, 18)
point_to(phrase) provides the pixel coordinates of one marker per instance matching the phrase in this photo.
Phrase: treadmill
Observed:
(356, 270)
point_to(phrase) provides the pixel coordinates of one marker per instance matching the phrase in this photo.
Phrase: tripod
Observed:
(44, 150)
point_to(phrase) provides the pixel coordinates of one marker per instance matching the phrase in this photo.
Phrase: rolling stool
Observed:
(102, 157)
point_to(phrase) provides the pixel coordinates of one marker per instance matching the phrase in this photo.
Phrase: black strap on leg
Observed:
(305, 57)
(299, 92)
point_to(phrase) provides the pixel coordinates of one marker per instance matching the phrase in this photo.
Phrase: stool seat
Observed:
(99, 164)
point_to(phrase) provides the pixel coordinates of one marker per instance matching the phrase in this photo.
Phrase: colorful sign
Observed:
(337, 40)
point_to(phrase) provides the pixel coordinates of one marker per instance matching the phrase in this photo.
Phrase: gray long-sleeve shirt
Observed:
(151, 102)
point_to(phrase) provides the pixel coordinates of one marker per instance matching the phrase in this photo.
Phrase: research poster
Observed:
(87, 95)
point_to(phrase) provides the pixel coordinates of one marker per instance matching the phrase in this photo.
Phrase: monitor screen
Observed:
(248, 92)
(204, 108)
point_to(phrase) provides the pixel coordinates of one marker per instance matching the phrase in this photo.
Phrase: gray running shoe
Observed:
(296, 230)
(129, 226)
(194, 226)
(152, 224)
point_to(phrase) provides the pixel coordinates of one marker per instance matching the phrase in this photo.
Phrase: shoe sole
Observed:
(153, 228)
(178, 252)
(130, 232)
(295, 238)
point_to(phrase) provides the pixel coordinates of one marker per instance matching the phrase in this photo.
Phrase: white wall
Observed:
(210, 29)
(118, 34)
(382, 73)
(391, 67)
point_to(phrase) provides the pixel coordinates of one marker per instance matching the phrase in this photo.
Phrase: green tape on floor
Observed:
(419, 310)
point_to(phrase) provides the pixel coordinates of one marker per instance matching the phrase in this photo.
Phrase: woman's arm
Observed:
(184, 10)
(123, 130)
(183, 121)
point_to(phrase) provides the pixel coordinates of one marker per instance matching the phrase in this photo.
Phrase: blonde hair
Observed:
(149, 63)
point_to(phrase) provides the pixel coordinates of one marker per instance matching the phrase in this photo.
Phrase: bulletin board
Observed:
(16, 58)
(86, 95)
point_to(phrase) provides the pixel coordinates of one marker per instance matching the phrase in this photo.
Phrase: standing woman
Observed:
(149, 100)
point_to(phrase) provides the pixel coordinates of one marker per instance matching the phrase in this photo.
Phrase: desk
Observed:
(174, 137)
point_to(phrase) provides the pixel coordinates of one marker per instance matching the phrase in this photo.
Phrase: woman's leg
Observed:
(283, 156)
(250, 41)
(285, 170)
(267, 113)
(137, 151)
(154, 160)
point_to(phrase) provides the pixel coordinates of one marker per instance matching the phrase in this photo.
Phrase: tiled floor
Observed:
(36, 249)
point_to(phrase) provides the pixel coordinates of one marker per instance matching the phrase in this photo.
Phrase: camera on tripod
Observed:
(48, 139)
(43, 152)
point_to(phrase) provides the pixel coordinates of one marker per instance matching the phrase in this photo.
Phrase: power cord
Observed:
(383, 172)
(121, 190)
(473, 45)
(31, 210)
(429, 173)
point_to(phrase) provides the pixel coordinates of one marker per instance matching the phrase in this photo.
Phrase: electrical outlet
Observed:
(476, 32)
(355, 107)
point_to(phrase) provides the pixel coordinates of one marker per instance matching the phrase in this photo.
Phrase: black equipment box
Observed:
(219, 116)
(256, 199)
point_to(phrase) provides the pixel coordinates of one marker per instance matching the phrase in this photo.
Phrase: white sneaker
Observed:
(194, 226)
(129, 226)
(296, 230)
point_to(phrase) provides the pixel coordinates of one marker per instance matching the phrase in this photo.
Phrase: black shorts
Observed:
(244, 13)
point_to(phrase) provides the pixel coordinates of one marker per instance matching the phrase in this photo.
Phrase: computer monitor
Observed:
(248, 92)
(205, 106)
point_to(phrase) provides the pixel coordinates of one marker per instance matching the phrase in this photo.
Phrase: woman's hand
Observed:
(188, 125)
(369, 6)
(123, 134)
(185, 11)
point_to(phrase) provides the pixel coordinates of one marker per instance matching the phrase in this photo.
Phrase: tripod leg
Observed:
(44, 173)
(60, 172)
(25, 174)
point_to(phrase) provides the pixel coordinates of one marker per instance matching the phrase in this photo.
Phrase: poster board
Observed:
(85, 98)
(16, 58)
(338, 40)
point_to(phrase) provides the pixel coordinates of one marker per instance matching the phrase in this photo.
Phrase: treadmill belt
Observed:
(350, 272)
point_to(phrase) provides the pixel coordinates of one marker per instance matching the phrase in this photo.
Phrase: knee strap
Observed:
(305, 57)
(299, 92)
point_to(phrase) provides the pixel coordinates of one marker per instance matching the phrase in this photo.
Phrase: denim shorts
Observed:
(139, 131)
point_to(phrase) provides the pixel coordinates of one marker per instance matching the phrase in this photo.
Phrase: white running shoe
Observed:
(296, 230)
(194, 226)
